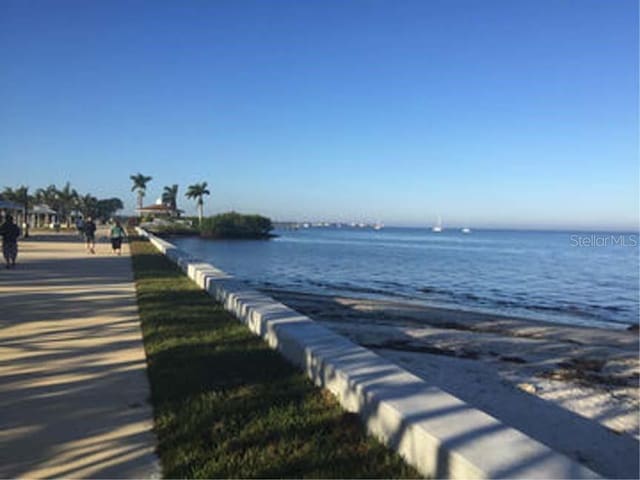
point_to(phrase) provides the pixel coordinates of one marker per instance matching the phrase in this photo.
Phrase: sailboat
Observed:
(378, 226)
(437, 228)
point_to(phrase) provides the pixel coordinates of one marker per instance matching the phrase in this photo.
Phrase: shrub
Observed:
(236, 225)
(172, 229)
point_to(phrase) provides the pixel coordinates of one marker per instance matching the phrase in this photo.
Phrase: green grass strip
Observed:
(226, 405)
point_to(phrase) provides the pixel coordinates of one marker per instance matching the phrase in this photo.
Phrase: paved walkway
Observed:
(74, 393)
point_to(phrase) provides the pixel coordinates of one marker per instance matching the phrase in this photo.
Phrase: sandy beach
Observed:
(572, 388)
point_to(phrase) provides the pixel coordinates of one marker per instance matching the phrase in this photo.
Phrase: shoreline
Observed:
(416, 313)
(574, 388)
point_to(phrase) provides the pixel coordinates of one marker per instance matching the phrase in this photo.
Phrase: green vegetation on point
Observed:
(230, 225)
(236, 225)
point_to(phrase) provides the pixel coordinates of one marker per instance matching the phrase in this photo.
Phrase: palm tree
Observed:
(140, 185)
(67, 198)
(20, 196)
(198, 191)
(170, 196)
(88, 205)
(48, 196)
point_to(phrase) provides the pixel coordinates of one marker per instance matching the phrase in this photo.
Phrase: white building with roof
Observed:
(42, 216)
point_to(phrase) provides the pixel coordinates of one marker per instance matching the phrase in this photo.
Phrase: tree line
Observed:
(64, 201)
(225, 225)
(196, 192)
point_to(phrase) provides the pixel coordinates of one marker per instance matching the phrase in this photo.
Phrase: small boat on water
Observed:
(378, 226)
(466, 230)
(437, 228)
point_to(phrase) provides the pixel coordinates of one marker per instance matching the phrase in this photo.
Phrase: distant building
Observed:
(14, 209)
(39, 215)
(42, 216)
(158, 210)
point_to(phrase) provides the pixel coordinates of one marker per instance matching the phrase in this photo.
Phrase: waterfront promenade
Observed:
(74, 393)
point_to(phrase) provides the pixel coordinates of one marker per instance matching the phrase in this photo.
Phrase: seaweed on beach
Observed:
(589, 371)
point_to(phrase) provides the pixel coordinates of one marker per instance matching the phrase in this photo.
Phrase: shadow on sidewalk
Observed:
(74, 394)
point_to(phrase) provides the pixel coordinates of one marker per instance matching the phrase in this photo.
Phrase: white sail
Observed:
(437, 228)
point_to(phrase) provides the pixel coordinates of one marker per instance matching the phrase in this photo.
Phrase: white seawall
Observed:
(437, 433)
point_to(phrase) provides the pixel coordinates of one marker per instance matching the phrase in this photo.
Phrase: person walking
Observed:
(117, 235)
(80, 227)
(10, 233)
(90, 235)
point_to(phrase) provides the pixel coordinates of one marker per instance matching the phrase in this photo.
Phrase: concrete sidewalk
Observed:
(74, 393)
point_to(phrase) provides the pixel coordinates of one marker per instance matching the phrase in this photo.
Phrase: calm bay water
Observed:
(578, 278)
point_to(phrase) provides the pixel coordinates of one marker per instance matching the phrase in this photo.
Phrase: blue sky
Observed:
(488, 113)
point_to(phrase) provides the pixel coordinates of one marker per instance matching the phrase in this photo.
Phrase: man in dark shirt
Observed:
(90, 235)
(10, 233)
